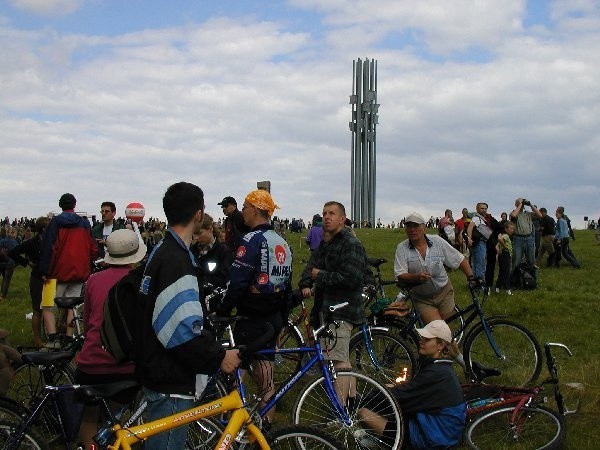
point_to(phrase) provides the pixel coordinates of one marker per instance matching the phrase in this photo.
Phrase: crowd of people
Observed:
(247, 254)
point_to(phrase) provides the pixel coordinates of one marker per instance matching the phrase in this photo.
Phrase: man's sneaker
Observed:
(508, 292)
(497, 290)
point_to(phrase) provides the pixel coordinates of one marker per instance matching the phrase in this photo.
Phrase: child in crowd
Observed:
(505, 249)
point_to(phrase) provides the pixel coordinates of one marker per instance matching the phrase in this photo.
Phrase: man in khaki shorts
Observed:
(420, 261)
(336, 270)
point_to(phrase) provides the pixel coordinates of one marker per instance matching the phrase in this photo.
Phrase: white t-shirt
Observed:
(439, 253)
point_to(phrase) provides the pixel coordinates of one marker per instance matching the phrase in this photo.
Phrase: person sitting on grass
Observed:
(432, 401)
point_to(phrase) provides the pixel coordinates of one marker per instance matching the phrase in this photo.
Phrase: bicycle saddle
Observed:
(68, 302)
(480, 372)
(376, 262)
(45, 358)
(94, 392)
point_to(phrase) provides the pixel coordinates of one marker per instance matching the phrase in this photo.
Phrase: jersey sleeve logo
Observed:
(280, 254)
(240, 252)
(263, 278)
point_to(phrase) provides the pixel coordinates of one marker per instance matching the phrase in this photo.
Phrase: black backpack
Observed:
(121, 315)
(522, 278)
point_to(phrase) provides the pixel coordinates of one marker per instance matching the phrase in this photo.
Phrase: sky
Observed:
(480, 100)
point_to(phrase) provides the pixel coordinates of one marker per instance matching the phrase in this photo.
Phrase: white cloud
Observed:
(48, 7)
(225, 103)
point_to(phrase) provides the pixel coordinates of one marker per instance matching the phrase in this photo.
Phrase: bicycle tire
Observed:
(313, 408)
(11, 410)
(289, 363)
(521, 360)
(28, 382)
(392, 355)
(31, 440)
(300, 437)
(536, 427)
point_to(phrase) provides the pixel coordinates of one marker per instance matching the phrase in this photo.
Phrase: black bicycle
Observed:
(506, 348)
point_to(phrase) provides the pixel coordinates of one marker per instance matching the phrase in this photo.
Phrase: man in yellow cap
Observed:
(260, 283)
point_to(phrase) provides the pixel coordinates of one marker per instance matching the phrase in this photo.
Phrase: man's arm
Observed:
(515, 212)
(470, 232)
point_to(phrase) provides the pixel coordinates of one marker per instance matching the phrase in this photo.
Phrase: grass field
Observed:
(565, 308)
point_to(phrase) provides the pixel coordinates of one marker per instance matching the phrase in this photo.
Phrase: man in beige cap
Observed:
(420, 261)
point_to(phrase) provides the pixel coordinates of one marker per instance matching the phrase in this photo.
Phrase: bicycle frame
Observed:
(126, 437)
(317, 358)
(520, 397)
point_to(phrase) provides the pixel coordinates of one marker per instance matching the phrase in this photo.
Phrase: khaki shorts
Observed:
(443, 302)
(338, 348)
(62, 290)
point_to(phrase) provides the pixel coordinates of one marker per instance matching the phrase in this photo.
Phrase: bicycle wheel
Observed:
(289, 363)
(532, 428)
(521, 359)
(390, 360)
(10, 410)
(367, 402)
(28, 383)
(300, 437)
(29, 441)
(203, 435)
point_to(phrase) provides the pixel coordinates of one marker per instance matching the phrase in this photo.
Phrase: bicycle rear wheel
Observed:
(10, 410)
(366, 402)
(29, 441)
(28, 382)
(532, 428)
(391, 358)
(521, 358)
(300, 437)
(203, 435)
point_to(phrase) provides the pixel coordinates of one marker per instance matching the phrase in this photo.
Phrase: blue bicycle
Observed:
(334, 400)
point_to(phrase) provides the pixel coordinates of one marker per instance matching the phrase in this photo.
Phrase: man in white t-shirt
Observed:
(102, 230)
(420, 261)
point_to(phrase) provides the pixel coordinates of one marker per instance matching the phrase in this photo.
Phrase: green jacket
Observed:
(97, 234)
(342, 262)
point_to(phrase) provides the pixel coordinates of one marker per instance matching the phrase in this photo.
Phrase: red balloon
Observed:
(135, 212)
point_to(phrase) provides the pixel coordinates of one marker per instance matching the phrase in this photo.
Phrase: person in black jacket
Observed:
(213, 257)
(174, 354)
(28, 253)
(234, 225)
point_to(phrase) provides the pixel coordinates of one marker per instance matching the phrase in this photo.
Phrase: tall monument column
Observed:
(363, 147)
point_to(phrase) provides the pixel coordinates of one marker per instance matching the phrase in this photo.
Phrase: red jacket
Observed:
(68, 248)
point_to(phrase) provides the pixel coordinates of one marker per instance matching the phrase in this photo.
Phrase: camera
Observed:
(526, 202)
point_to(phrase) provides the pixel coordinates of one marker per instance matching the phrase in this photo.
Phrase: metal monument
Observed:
(363, 127)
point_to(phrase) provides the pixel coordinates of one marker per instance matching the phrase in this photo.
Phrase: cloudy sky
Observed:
(480, 100)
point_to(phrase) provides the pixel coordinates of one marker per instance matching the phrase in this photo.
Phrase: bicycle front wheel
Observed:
(520, 360)
(30, 440)
(369, 405)
(530, 428)
(389, 360)
(300, 437)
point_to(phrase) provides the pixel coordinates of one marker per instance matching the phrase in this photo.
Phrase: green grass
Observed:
(563, 309)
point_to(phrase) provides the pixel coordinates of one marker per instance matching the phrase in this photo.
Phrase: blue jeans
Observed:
(524, 245)
(162, 405)
(478, 259)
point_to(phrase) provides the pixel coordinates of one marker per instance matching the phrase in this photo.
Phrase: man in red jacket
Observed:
(67, 254)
